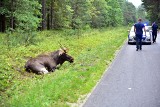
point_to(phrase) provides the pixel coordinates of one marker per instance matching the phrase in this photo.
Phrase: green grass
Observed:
(93, 51)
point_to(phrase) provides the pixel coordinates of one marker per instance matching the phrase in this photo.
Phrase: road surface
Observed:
(132, 80)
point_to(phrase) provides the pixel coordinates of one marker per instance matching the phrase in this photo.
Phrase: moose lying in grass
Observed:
(44, 63)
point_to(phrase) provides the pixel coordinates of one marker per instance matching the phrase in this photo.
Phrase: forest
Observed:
(71, 14)
(152, 8)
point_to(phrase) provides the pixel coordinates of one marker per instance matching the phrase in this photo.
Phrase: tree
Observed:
(27, 18)
(123, 6)
(3, 11)
(15, 13)
(115, 13)
(141, 13)
(43, 14)
(130, 13)
(106, 13)
(80, 13)
(153, 9)
(58, 14)
(99, 14)
(12, 9)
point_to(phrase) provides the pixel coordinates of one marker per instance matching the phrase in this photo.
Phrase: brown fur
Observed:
(45, 63)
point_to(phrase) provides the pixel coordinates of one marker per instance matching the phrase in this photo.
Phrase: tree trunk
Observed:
(2, 19)
(75, 8)
(43, 14)
(48, 19)
(12, 21)
(3, 23)
(0, 23)
(158, 11)
(51, 16)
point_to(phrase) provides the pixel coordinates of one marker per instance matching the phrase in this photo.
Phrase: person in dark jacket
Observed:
(154, 31)
(138, 29)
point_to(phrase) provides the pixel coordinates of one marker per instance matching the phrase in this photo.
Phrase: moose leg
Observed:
(43, 71)
(39, 69)
(51, 67)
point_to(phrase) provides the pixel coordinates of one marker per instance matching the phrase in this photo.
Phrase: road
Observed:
(132, 80)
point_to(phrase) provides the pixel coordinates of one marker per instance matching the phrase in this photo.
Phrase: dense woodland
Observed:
(153, 10)
(28, 16)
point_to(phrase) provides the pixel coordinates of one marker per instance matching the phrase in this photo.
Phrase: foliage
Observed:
(153, 9)
(141, 13)
(80, 15)
(58, 14)
(99, 14)
(131, 13)
(115, 13)
(93, 52)
(27, 20)
(23, 17)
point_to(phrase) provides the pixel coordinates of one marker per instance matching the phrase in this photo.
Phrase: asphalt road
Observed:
(132, 80)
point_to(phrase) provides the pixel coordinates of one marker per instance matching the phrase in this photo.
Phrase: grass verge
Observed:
(93, 51)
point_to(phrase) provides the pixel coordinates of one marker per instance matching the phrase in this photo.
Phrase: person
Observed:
(138, 29)
(154, 31)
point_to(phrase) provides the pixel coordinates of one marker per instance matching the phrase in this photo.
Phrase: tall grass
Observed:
(93, 51)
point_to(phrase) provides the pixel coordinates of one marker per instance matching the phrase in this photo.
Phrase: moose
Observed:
(45, 63)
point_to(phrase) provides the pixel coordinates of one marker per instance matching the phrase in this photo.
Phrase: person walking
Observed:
(154, 31)
(138, 29)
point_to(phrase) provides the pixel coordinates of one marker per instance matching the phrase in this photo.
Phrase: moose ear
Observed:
(61, 52)
(65, 50)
